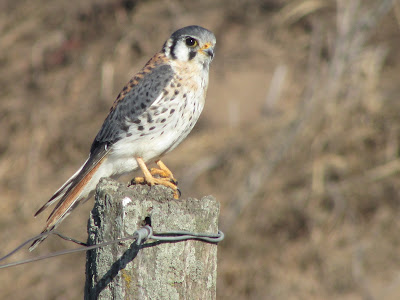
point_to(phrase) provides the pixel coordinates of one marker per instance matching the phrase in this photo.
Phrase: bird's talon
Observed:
(177, 193)
(137, 180)
(163, 174)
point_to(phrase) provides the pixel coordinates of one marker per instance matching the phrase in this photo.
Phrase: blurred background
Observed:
(299, 139)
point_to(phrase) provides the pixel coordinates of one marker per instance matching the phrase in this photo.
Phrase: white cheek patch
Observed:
(181, 51)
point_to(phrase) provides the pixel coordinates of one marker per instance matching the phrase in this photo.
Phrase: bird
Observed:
(153, 114)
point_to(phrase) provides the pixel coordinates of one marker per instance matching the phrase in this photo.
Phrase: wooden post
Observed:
(180, 270)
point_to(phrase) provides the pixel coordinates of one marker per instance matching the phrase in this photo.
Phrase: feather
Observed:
(72, 195)
(61, 191)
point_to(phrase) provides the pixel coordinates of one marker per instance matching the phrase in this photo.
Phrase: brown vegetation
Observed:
(299, 139)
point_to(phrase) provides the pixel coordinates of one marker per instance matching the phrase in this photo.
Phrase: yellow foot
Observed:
(163, 172)
(158, 181)
(167, 179)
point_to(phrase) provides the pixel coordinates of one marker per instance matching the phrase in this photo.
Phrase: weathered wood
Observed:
(181, 270)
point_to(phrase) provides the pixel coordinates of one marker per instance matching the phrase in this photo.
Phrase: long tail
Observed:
(71, 195)
(61, 191)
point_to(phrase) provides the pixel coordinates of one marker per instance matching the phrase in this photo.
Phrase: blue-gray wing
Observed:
(136, 97)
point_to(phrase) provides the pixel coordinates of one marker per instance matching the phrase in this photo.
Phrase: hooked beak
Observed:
(207, 49)
(210, 52)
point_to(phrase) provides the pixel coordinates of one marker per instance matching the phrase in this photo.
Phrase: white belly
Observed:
(151, 145)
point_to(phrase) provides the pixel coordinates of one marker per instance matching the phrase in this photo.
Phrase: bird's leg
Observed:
(163, 172)
(150, 180)
(148, 177)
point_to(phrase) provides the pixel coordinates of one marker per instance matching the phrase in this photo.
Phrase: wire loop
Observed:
(141, 235)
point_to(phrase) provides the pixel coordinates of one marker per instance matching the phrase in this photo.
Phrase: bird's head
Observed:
(191, 43)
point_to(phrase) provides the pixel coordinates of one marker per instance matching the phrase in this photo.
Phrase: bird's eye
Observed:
(191, 42)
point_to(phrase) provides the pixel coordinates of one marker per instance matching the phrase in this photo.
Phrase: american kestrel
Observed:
(153, 113)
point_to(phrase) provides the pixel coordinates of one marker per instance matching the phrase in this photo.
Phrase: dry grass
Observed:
(299, 139)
